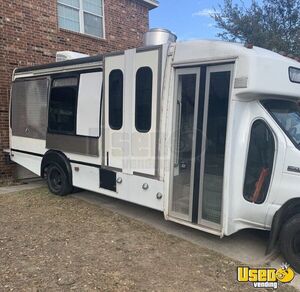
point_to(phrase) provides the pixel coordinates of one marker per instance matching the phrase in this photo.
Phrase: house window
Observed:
(84, 16)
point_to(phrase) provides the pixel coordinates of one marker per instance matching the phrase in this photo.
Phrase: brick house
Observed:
(32, 31)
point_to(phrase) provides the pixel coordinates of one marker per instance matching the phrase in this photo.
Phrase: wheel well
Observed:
(59, 158)
(287, 211)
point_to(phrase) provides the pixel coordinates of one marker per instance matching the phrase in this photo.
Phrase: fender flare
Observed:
(57, 157)
(287, 211)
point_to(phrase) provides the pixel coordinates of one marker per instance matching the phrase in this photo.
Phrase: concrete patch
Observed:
(25, 185)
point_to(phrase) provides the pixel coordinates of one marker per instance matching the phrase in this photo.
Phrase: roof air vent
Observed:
(159, 36)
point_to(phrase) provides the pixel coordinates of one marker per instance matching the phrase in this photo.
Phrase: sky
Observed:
(188, 19)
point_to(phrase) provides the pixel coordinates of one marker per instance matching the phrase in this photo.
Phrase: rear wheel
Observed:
(290, 242)
(57, 180)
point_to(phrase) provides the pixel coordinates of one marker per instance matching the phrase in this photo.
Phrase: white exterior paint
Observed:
(129, 190)
(143, 145)
(128, 118)
(113, 143)
(256, 74)
(88, 113)
(257, 65)
(33, 163)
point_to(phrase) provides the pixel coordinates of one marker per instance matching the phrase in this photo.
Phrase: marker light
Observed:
(294, 74)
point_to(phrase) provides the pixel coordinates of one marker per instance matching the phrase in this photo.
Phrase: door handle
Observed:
(177, 133)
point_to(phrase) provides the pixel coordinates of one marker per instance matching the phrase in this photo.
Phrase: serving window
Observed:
(29, 107)
(63, 106)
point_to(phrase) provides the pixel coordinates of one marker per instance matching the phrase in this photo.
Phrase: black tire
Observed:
(290, 242)
(57, 180)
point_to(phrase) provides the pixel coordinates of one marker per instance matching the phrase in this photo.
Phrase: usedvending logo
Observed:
(266, 277)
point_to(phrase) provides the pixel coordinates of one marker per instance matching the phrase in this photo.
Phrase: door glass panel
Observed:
(215, 146)
(182, 187)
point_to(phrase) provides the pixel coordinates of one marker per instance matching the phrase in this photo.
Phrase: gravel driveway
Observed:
(49, 243)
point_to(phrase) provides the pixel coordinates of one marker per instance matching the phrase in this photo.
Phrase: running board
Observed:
(195, 226)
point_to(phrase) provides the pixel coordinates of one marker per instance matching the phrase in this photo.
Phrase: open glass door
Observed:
(184, 141)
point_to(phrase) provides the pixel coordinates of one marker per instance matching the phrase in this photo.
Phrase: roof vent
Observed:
(68, 55)
(159, 36)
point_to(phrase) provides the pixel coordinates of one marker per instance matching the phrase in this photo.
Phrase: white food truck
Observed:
(207, 132)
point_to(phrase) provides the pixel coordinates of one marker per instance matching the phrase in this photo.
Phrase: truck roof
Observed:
(260, 71)
(212, 49)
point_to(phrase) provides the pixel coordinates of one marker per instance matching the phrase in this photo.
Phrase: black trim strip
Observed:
(145, 175)
(196, 192)
(115, 169)
(178, 65)
(71, 161)
(27, 152)
(294, 169)
(78, 61)
(85, 164)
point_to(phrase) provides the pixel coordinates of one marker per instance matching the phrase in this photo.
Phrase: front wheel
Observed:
(290, 242)
(57, 180)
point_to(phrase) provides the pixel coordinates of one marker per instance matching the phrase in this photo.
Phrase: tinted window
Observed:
(62, 106)
(259, 163)
(143, 102)
(116, 99)
(287, 115)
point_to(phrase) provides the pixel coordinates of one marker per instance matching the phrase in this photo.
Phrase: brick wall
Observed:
(29, 35)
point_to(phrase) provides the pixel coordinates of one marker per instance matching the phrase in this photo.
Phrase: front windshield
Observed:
(287, 115)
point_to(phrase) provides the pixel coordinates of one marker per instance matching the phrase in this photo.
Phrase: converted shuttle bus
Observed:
(207, 132)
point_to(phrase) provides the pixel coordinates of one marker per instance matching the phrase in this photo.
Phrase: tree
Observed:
(273, 24)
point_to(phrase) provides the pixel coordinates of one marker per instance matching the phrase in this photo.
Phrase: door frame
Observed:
(176, 137)
(196, 203)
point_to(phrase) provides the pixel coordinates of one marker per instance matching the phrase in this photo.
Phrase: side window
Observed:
(259, 163)
(116, 99)
(143, 99)
(62, 106)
